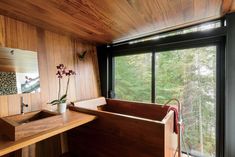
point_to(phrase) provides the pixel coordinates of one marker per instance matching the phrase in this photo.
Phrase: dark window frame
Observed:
(215, 37)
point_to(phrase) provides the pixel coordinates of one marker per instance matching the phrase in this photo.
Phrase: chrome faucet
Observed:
(22, 105)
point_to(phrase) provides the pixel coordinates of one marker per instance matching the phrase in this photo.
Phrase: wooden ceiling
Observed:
(105, 21)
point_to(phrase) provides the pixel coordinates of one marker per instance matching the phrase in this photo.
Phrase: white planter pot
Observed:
(62, 107)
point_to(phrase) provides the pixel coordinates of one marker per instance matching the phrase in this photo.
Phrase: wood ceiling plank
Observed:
(85, 13)
(104, 21)
(47, 17)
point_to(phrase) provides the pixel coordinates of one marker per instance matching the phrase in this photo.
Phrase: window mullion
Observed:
(153, 94)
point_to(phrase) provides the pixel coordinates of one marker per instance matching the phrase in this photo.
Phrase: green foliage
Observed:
(54, 102)
(133, 77)
(63, 97)
(60, 101)
(189, 75)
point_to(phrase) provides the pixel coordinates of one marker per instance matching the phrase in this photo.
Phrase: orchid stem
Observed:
(67, 85)
(59, 89)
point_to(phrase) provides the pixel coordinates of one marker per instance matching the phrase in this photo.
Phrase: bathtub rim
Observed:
(91, 111)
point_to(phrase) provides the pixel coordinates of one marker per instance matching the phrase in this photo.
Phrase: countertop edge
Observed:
(15, 145)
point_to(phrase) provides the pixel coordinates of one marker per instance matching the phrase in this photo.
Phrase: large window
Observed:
(186, 74)
(133, 77)
(190, 76)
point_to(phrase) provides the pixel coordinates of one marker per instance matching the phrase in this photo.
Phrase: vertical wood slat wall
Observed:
(52, 49)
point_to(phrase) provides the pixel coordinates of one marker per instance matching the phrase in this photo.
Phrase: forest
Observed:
(188, 75)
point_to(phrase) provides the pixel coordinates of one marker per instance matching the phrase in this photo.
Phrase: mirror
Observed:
(18, 71)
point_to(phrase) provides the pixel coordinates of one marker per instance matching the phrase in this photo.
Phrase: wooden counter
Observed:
(71, 119)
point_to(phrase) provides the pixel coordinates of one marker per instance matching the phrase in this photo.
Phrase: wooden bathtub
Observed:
(124, 129)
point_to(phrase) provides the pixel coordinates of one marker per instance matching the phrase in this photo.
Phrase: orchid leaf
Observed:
(63, 101)
(63, 97)
(54, 102)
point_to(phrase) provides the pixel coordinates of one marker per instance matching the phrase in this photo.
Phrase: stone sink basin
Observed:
(23, 125)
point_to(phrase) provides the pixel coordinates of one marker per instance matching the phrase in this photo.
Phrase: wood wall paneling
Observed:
(2, 31)
(3, 106)
(52, 49)
(228, 6)
(232, 8)
(103, 21)
(20, 35)
(87, 72)
(42, 59)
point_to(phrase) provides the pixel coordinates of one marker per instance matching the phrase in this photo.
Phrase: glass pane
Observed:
(190, 76)
(133, 77)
